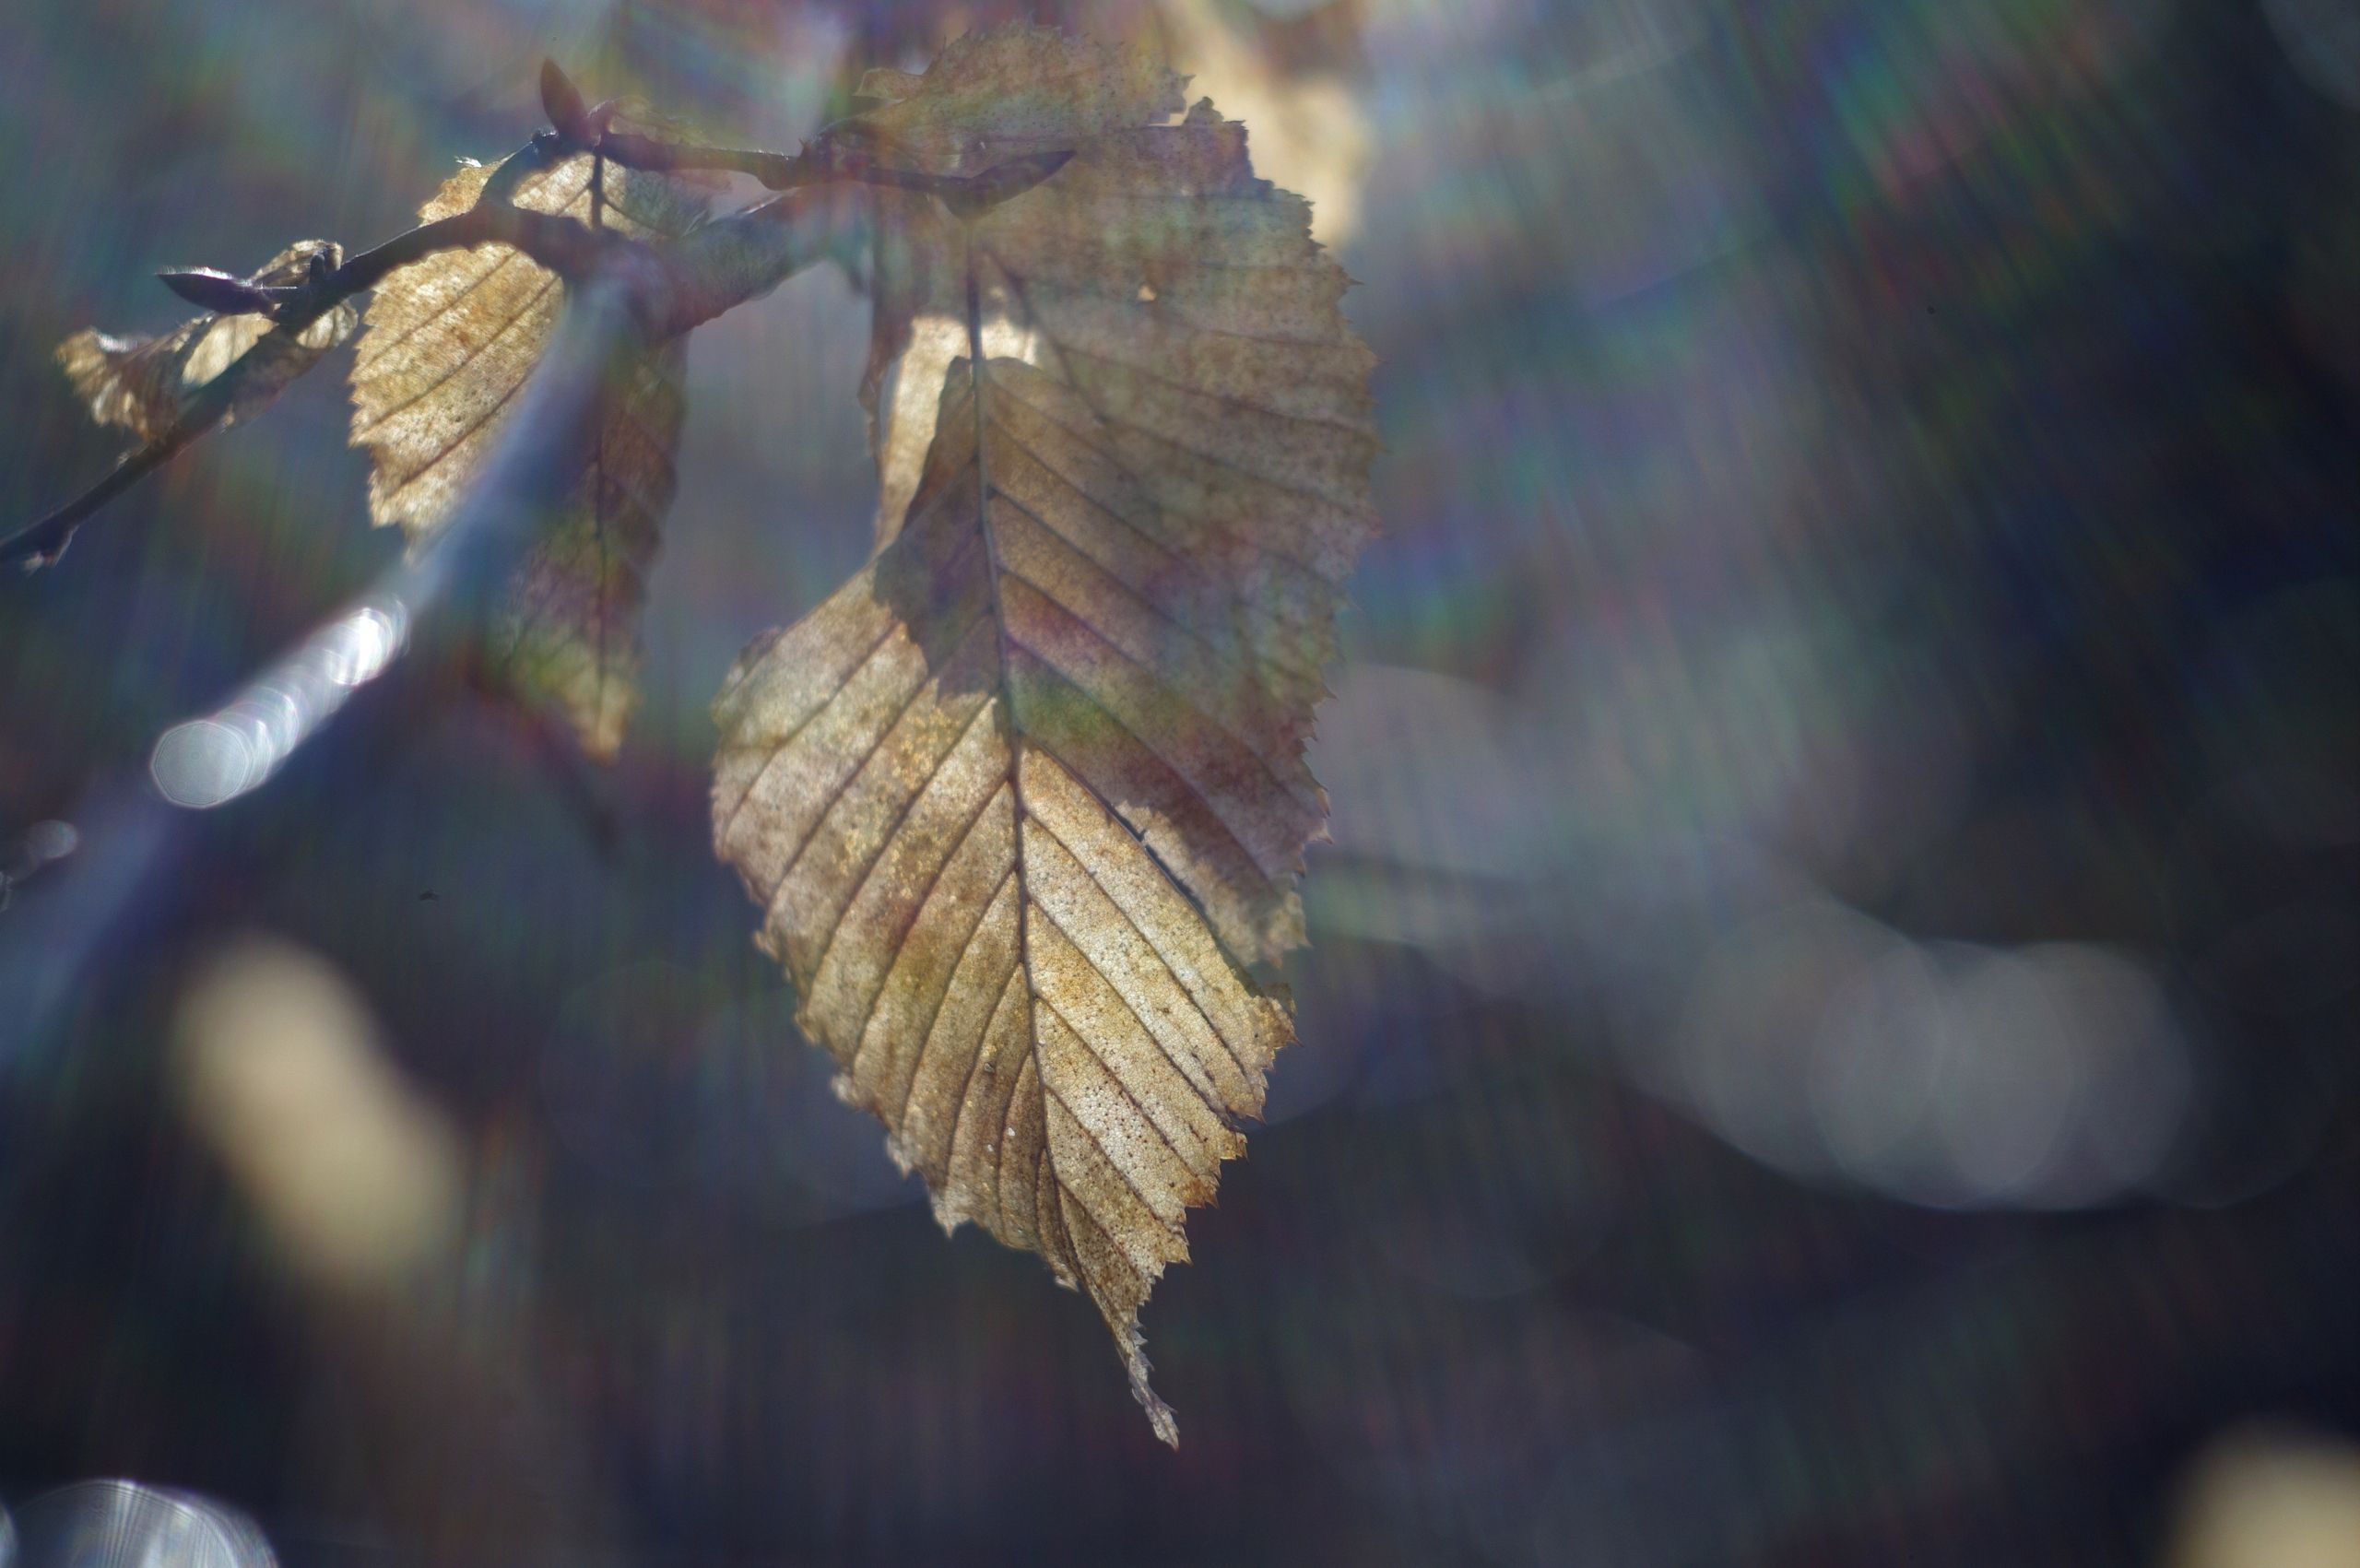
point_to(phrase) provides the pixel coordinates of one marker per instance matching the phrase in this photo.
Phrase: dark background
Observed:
(1829, 1031)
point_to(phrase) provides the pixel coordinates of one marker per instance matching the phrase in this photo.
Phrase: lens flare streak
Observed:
(208, 761)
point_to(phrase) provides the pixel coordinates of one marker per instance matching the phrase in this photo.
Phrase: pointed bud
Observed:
(211, 290)
(561, 101)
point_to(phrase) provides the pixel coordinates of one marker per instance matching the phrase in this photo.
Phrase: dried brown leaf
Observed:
(1004, 94)
(141, 383)
(1312, 132)
(448, 344)
(1025, 801)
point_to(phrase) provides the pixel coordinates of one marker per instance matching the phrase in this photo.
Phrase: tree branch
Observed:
(717, 267)
(329, 717)
(562, 244)
(586, 129)
(340, 703)
(832, 165)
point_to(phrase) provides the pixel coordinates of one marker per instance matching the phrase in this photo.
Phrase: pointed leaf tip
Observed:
(1024, 804)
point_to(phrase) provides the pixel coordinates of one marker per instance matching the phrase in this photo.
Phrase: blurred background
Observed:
(1829, 1036)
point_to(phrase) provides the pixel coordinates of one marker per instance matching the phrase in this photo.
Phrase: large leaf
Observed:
(449, 343)
(142, 384)
(1025, 801)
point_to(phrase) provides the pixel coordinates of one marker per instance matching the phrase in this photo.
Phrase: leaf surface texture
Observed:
(1025, 803)
(447, 347)
(142, 382)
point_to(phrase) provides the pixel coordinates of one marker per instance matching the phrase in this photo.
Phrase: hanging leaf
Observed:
(1025, 801)
(143, 384)
(449, 343)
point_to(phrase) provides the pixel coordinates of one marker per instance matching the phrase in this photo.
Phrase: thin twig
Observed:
(560, 243)
(358, 685)
(719, 265)
(342, 702)
(724, 264)
(832, 164)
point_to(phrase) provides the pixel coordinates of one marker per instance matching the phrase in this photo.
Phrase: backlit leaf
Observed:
(1025, 801)
(141, 383)
(449, 344)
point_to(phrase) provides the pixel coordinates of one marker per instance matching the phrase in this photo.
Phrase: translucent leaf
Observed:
(141, 383)
(1025, 801)
(448, 344)
(1003, 94)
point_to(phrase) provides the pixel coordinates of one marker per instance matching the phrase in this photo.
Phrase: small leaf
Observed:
(1025, 802)
(142, 384)
(449, 343)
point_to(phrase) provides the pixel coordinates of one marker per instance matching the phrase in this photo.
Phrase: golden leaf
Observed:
(1026, 800)
(1004, 94)
(1311, 125)
(141, 383)
(449, 343)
